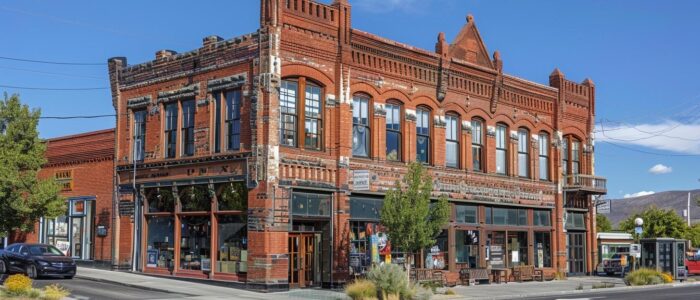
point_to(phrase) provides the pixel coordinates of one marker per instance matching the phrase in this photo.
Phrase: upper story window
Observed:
(171, 112)
(501, 149)
(393, 131)
(575, 156)
(423, 135)
(64, 178)
(565, 157)
(477, 145)
(233, 120)
(466, 214)
(360, 126)
(139, 139)
(188, 128)
(571, 155)
(543, 142)
(523, 153)
(452, 134)
(310, 114)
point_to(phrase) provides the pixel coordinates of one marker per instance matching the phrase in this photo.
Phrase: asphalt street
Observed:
(662, 292)
(88, 289)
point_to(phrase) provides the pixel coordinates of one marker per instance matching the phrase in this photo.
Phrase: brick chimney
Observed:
(164, 54)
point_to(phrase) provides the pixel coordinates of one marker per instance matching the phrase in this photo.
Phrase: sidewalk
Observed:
(527, 289)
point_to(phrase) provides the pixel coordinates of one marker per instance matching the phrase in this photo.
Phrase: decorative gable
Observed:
(469, 46)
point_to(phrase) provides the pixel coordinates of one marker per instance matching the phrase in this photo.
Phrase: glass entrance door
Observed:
(303, 260)
(576, 248)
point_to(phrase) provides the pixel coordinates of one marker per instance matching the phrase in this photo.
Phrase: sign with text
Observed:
(360, 180)
(603, 206)
(126, 208)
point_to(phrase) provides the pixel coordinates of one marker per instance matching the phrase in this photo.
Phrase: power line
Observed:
(649, 152)
(652, 135)
(50, 73)
(52, 89)
(52, 62)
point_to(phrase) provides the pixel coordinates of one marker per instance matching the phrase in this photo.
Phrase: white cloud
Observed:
(639, 194)
(671, 136)
(660, 169)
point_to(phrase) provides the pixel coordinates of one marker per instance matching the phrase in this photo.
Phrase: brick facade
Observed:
(309, 44)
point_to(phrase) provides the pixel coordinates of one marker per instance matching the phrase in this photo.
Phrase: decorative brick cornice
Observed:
(490, 131)
(230, 82)
(411, 115)
(139, 102)
(379, 110)
(467, 126)
(439, 121)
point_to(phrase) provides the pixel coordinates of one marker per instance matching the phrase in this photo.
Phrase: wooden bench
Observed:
(471, 276)
(521, 273)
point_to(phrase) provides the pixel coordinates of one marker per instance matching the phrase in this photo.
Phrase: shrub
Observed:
(666, 277)
(55, 292)
(33, 293)
(361, 289)
(432, 285)
(450, 292)
(18, 285)
(419, 292)
(390, 279)
(644, 276)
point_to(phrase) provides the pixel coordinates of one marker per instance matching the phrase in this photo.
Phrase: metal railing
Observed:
(586, 182)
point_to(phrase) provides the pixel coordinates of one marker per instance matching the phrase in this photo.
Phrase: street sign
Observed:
(636, 250)
(638, 230)
(603, 207)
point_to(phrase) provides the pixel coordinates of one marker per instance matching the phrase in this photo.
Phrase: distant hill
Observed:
(620, 209)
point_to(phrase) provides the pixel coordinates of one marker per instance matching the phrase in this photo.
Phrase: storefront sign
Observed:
(496, 255)
(374, 241)
(152, 258)
(360, 180)
(603, 207)
(636, 250)
(206, 264)
(63, 246)
(515, 256)
(126, 208)
(540, 255)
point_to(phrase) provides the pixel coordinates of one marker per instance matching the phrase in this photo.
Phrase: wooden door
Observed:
(302, 255)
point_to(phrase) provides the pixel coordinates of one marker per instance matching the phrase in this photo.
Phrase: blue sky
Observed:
(642, 55)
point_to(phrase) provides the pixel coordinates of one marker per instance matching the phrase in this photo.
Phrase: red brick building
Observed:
(263, 159)
(84, 166)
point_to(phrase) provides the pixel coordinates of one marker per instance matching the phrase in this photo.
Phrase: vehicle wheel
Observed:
(31, 272)
(3, 268)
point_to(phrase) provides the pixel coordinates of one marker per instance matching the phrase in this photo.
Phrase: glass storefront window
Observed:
(304, 204)
(543, 250)
(160, 241)
(359, 247)
(506, 216)
(233, 196)
(496, 242)
(436, 257)
(195, 241)
(467, 247)
(233, 244)
(160, 200)
(466, 214)
(541, 218)
(575, 220)
(517, 249)
(195, 198)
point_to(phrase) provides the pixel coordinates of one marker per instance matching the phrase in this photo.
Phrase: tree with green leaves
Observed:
(602, 223)
(24, 198)
(411, 220)
(657, 223)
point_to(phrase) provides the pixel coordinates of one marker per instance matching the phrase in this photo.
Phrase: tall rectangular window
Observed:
(170, 129)
(575, 156)
(360, 126)
(543, 141)
(501, 149)
(423, 135)
(188, 128)
(288, 116)
(139, 135)
(312, 117)
(217, 122)
(477, 145)
(565, 157)
(233, 119)
(523, 153)
(393, 132)
(452, 141)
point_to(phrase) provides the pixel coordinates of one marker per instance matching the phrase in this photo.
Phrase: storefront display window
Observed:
(195, 241)
(496, 247)
(467, 247)
(195, 198)
(160, 243)
(160, 200)
(466, 214)
(57, 233)
(517, 249)
(543, 250)
(305, 204)
(233, 244)
(506, 216)
(437, 256)
(541, 218)
(359, 247)
(233, 197)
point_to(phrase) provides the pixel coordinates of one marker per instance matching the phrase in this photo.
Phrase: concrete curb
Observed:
(131, 285)
(586, 291)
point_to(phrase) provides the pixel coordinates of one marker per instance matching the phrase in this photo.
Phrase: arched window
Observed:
(360, 126)
(452, 134)
(477, 145)
(543, 141)
(523, 153)
(393, 131)
(310, 114)
(423, 124)
(501, 149)
(565, 156)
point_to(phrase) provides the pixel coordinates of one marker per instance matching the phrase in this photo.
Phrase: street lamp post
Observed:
(637, 233)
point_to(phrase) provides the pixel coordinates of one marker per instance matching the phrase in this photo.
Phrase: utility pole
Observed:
(688, 210)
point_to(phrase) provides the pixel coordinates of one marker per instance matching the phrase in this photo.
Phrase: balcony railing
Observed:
(587, 183)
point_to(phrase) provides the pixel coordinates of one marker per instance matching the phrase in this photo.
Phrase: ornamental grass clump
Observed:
(361, 289)
(55, 292)
(644, 276)
(18, 285)
(390, 279)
